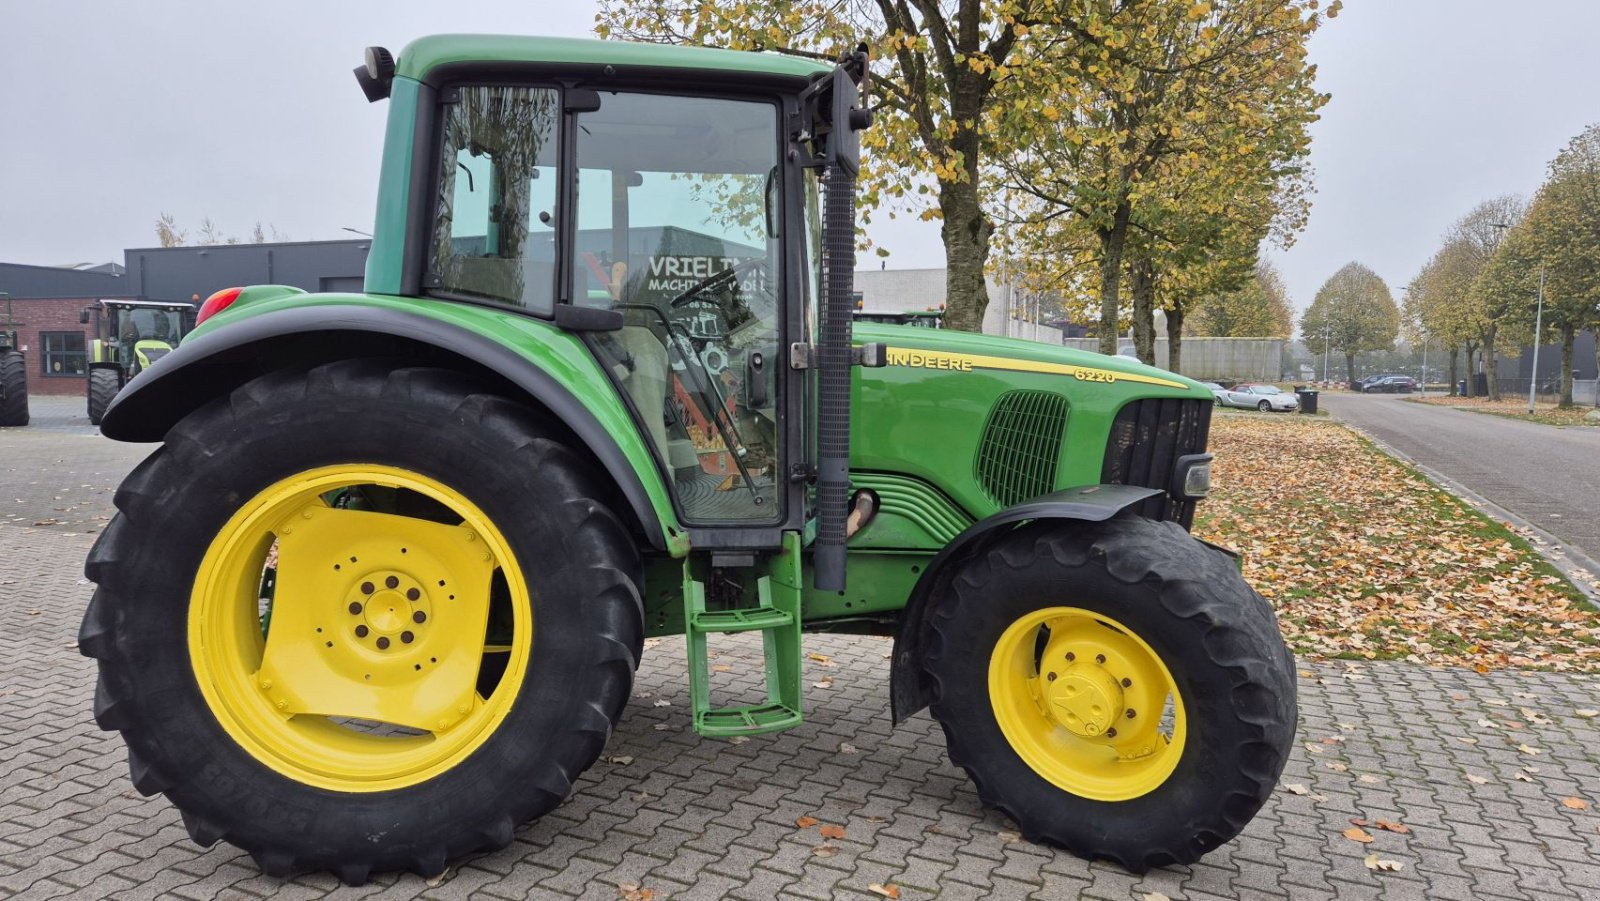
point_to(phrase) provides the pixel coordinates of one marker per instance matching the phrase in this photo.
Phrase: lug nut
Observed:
(1131, 714)
(419, 617)
(1127, 683)
(355, 608)
(361, 631)
(412, 594)
(383, 644)
(1051, 677)
(367, 588)
(1111, 733)
(391, 582)
(1100, 658)
(1071, 656)
(407, 637)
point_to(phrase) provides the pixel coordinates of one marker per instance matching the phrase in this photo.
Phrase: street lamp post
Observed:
(1326, 337)
(1538, 326)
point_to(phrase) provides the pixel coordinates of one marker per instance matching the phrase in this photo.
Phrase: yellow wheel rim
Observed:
(362, 673)
(1087, 704)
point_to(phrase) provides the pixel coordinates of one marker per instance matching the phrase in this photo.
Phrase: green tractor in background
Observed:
(13, 374)
(379, 597)
(130, 335)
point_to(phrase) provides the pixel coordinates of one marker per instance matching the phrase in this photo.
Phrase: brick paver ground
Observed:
(1434, 750)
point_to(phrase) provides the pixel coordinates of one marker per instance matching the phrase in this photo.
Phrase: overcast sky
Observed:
(113, 113)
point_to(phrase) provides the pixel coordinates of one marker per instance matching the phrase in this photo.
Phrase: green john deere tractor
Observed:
(130, 335)
(380, 596)
(13, 374)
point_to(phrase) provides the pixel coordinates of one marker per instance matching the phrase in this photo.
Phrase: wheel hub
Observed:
(394, 608)
(1085, 698)
(376, 617)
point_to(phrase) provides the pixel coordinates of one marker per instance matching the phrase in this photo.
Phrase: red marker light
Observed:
(216, 303)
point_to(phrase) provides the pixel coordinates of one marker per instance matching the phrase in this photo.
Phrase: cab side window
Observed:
(494, 232)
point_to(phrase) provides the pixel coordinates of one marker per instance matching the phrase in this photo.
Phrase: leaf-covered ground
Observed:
(1513, 408)
(1366, 558)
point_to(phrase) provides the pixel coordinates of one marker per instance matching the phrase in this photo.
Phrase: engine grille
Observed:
(1021, 445)
(1147, 438)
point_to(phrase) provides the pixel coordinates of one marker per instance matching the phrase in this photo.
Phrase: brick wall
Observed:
(32, 317)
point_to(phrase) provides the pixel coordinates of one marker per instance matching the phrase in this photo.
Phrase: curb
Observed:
(1579, 568)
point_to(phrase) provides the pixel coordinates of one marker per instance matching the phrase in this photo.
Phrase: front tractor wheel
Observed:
(1115, 688)
(13, 388)
(102, 389)
(357, 619)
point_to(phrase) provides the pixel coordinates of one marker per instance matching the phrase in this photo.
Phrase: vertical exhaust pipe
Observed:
(836, 119)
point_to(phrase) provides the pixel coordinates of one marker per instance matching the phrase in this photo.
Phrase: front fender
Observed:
(908, 690)
(550, 367)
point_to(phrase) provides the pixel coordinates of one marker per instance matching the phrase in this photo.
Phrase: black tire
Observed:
(13, 388)
(1217, 637)
(1264, 407)
(102, 388)
(584, 572)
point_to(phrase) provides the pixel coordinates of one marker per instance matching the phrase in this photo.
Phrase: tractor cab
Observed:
(675, 234)
(130, 335)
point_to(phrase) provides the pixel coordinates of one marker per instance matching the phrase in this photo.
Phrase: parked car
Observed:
(1265, 398)
(1390, 384)
(1216, 390)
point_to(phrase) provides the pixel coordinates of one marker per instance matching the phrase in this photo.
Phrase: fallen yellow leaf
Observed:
(1357, 834)
(1575, 803)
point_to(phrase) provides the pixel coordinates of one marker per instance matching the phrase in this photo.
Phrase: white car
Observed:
(1216, 390)
(1265, 398)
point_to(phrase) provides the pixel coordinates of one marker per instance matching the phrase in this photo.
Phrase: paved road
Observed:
(1548, 475)
(686, 817)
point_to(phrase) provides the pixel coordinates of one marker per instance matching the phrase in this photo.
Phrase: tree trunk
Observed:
(1568, 334)
(1175, 337)
(1454, 372)
(1111, 243)
(1472, 383)
(966, 232)
(1350, 369)
(1491, 366)
(1142, 284)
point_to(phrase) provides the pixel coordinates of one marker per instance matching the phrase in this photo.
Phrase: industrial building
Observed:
(46, 301)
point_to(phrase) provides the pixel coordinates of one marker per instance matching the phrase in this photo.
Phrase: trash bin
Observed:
(1461, 388)
(1308, 400)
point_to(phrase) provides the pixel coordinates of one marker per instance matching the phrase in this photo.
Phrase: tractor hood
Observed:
(947, 349)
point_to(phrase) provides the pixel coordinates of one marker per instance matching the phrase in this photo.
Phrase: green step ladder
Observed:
(777, 617)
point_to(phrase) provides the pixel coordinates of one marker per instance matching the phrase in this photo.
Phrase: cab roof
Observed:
(423, 55)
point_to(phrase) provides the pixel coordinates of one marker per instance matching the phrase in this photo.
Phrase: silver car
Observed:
(1265, 398)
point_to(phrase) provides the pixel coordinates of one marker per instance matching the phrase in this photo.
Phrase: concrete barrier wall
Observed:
(1244, 359)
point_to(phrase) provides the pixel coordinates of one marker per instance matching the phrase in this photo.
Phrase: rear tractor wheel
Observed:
(13, 388)
(357, 619)
(102, 389)
(1115, 688)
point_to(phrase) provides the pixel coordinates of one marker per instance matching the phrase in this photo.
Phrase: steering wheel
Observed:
(730, 274)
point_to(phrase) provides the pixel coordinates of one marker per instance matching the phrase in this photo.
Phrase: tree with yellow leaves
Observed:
(944, 94)
(1259, 309)
(1159, 93)
(1560, 236)
(1353, 312)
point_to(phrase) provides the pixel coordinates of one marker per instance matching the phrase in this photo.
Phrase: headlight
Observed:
(1192, 477)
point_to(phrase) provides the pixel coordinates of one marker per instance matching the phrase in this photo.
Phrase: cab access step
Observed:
(776, 615)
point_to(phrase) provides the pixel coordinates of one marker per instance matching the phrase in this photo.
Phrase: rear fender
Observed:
(528, 361)
(908, 688)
